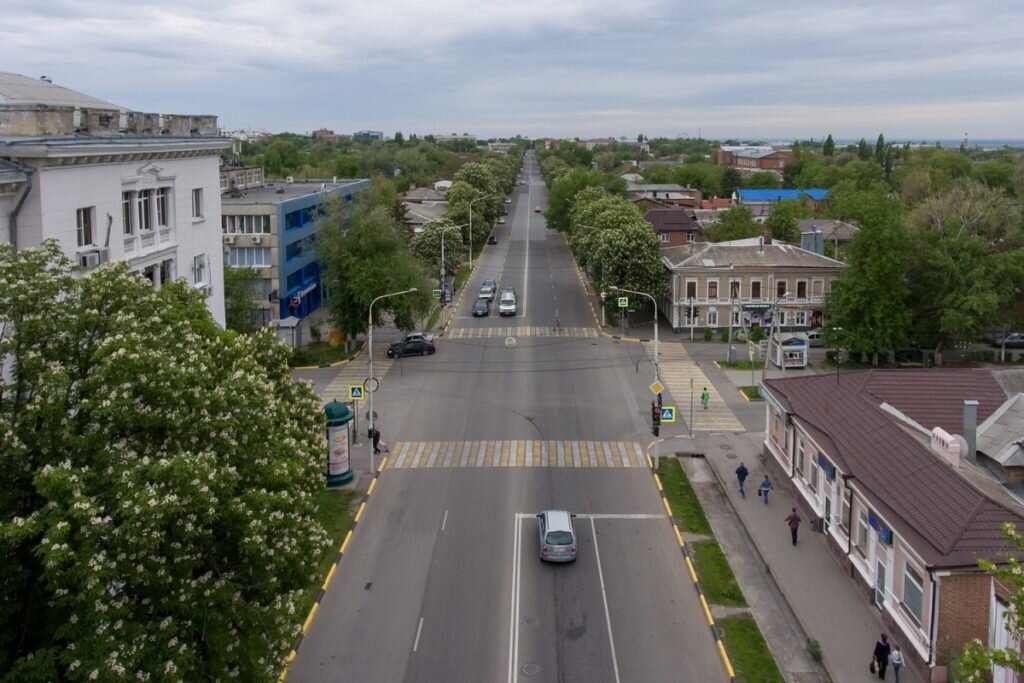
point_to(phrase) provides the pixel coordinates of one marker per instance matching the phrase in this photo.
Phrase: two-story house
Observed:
(674, 226)
(889, 465)
(712, 283)
(109, 183)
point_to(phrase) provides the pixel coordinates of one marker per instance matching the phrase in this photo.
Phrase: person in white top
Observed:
(896, 659)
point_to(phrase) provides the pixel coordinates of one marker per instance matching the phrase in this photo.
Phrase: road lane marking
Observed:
(513, 628)
(416, 643)
(444, 522)
(604, 597)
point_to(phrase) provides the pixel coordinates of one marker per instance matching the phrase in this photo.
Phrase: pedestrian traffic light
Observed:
(656, 429)
(655, 415)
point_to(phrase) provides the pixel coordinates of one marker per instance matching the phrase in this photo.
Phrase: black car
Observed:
(481, 308)
(492, 240)
(1014, 340)
(411, 347)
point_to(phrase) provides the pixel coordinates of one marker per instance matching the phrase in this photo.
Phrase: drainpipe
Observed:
(29, 171)
(932, 654)
(849, 535)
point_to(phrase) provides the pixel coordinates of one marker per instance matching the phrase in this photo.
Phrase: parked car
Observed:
(508, 200)
(411, 347)
(419, 336)
(536, 209)
(501, 220)
(557, 536)
(487, 290)
(1014, 340)
(492, 240)
(507, 302)
(481, 308)
(814, 337)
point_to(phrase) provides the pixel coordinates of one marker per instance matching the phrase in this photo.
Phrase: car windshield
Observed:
(558, 538)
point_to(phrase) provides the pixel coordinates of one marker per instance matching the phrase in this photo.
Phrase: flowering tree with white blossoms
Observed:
(157, 515)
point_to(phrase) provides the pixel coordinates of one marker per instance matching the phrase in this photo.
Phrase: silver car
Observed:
(557, 536)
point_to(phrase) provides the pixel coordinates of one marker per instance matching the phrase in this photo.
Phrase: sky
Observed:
(911, 69)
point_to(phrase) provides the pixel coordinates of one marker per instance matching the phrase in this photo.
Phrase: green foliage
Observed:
(159, 477)
(240, 309)
(716, 577)
(782, 221)
(761, 179)
(708, 334)
(829, 148)
(748, 652)
(427, 246)
(734, 224)
(731, 179)
(814, 649)
(563, 192)
(686, 508)
(701, 175)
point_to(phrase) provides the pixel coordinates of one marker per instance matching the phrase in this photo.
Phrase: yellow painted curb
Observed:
(725, 659)
(679, 536)
(344, 544)
(330, 575)
(309, 619)
(359, 512)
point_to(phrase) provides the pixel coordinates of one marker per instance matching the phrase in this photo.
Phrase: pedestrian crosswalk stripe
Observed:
(517, 453)
(520, 331)
(685, 380)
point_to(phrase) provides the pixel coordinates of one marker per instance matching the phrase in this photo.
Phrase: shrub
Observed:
(814, 649)
(708, 333)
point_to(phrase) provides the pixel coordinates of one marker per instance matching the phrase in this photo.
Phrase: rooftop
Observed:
(752, 194)
(671, 220)
(745, 253)
(18, 89)
(274, 192)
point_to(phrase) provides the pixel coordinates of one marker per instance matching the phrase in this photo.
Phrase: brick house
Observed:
(753, 157)
(674, 226)
(907, 506)
(748, 277)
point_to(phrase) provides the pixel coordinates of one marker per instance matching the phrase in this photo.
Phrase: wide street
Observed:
(442, 581)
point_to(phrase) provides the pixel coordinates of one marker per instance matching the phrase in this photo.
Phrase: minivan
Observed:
(557, 536)
(507, 302)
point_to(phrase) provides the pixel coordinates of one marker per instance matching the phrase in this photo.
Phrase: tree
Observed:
(360, 263)
(863, 150)
(731, 179)
(240, 296)
(869, 300)
(630, 256)
(880, 149)
(782, 221)
(159, 479)
(399, 139)
(829, 148)
(761, 179)
(427, 246)
(734, 224)
(563, 193)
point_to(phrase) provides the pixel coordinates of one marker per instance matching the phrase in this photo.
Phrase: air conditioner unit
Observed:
(229, 239)
(89, 260)
(257, 239)
(104, 255)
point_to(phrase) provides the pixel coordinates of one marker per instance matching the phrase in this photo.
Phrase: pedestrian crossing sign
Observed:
(437, 293)
(623, 302)
(668, 413)
(355, 392)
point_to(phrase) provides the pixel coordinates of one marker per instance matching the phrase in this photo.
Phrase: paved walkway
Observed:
(825, 600)
(682, 376)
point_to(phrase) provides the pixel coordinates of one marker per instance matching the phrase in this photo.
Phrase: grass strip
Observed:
(716, 577)
(318, 353)
(751, 392)
(749, 654)
(742, 364)
(336, 509)
(686, 509)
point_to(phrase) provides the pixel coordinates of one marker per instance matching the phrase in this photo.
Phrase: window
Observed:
(143, 204)
(844, 515)
(913, 593)
(800, 457)
(197, 203)
(293, 220)
(163, 205)
(199, 269)
(252, 257)
(812, 480)
(84, 219)
(690, 238)
(691, 290)
(713, 290)
(127, 216)
(734, 289)
(862, 532)
(664, 237)
(780, 288)
(781, 315)
(755, 290)
(801, 289)
(223, 182)
(800, 318)
(712, 318)
(293, 250)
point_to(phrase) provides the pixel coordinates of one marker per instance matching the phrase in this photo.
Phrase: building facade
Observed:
(753, 157)
(112, 184)
(886, 464)
(742, 281)
(272, 229)
(674, 226)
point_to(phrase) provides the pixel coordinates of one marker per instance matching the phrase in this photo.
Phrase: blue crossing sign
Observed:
(668, 413)
(355, 392)
(437, 293)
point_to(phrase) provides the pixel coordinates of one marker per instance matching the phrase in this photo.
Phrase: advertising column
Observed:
(339, 418)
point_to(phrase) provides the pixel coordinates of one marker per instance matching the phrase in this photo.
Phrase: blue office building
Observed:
(272, 229)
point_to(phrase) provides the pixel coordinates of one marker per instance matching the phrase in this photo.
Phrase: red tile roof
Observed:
(947, 520)
(672, 220)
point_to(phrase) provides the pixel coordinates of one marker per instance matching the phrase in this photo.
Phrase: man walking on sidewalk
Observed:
(881, 655)
(741, 474)
(705, 397)
(764, 488)
(794, 524)
(376, 441)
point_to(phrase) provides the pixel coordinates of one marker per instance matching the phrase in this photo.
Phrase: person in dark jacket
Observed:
(882, 650)
(741, 475)
(376, 441)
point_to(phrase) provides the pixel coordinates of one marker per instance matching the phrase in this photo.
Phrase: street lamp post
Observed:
(836, 331)
(471, 203)
(771, 336)
(657, 375)
(371, 389)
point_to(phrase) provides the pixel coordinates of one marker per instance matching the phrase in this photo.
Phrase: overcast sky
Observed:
(911, 69)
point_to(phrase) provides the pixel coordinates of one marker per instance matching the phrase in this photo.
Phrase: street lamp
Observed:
(471, 203)
(613, 288)
(771, 336)
(371, 387)
(836, 331)
(444, 231)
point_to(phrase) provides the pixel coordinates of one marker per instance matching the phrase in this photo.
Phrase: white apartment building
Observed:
(112, 184)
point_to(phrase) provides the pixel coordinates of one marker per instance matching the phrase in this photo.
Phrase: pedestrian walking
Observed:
(764, 488)
(881, 655)
(896, 659)
(376, 441)
(705, 397)
(741, 474)
(794, 524)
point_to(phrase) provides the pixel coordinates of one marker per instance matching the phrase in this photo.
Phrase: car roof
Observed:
(558, 520)
(508, 290)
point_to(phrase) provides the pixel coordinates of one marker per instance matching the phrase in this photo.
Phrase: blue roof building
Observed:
(760, 200)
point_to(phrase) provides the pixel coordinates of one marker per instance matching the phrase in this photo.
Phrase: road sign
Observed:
(368, 387)
(623, 302)
(437, 293)
(355, 392)
(668, 413)
(656, 387)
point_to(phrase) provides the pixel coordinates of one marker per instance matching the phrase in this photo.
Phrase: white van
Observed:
(507, 302)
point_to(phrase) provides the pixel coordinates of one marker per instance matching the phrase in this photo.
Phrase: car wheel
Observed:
(425, 352)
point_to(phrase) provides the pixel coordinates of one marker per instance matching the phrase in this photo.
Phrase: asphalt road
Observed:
(442, 581)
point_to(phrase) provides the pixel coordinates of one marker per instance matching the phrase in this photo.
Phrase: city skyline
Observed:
(917, 71)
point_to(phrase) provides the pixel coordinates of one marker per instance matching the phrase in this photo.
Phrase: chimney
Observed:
(971, 429)
(760, 244)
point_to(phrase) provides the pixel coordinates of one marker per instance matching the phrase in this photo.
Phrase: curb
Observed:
(726, 663)
(335, 364)
(330, 574)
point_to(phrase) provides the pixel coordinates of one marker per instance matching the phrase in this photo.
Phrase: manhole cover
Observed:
(725, 447)
(731, 456)
(510, 341)
(530, 669)
(530, 621)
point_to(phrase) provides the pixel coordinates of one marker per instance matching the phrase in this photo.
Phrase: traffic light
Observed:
(655, 415)
(656, 430)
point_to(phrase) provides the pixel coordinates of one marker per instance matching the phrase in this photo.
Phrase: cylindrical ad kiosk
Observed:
(339, 467)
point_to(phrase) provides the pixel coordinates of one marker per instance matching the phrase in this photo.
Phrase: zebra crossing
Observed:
(520, 331)
(682, 376)
(356, 372)
(516, 453)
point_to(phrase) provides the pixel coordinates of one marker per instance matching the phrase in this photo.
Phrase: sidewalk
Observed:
(826, 602)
